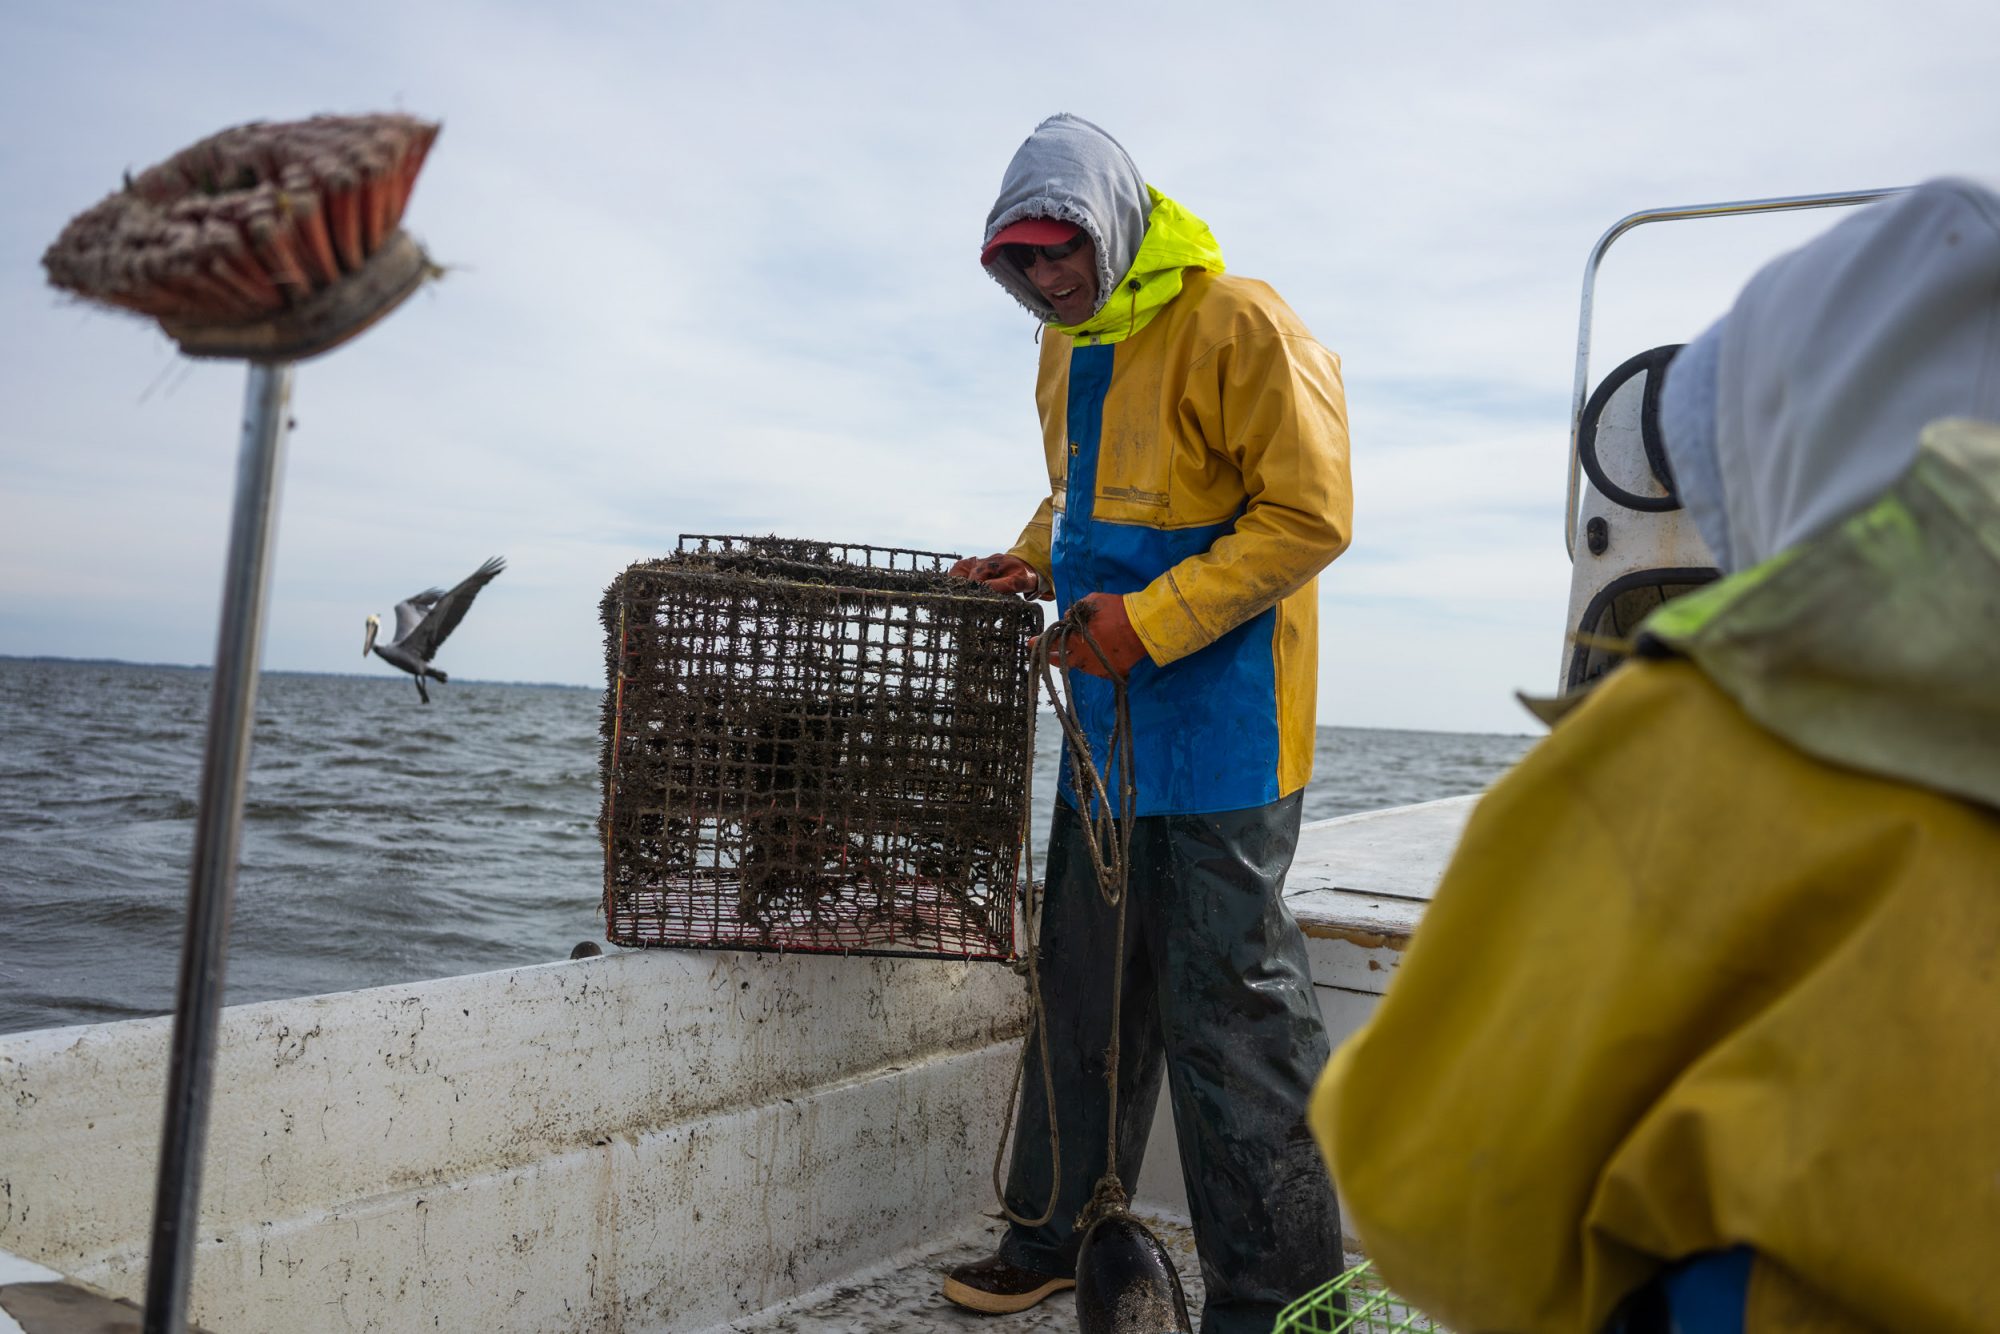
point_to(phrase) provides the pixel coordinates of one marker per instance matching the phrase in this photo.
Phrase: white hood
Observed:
(1807, 400)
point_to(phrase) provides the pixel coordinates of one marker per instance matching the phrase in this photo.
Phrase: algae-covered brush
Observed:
(267, 242)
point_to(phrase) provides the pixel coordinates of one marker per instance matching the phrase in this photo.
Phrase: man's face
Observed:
(1069, 282)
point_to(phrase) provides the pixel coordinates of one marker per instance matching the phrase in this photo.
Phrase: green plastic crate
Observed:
(1354, 1303)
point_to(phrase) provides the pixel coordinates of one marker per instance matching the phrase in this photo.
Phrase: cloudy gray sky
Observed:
(713, 270)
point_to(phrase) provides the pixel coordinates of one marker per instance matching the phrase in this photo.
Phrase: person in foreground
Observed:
(1196, 438)
(1702, 1029)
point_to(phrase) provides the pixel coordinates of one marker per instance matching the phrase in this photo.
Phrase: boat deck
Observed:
(902, 1294)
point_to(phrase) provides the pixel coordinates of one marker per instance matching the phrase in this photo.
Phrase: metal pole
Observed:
(1580, 389)
(218, 832)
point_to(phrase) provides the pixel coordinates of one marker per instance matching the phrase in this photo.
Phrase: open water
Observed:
(384, 842)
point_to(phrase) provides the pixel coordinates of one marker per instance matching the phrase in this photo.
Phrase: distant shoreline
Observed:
(595, 689)
(456, 679)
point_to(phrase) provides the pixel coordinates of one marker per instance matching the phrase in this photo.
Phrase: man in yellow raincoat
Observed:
(1702, 1029)
(1196, 440)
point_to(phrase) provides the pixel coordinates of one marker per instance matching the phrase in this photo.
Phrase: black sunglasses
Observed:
(1021, 256)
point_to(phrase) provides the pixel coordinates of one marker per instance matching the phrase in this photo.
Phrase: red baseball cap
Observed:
(1029, 231)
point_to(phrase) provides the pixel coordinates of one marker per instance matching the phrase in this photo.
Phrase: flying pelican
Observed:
(424, 621)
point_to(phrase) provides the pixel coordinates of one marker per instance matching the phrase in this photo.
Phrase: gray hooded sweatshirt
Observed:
(1070, 170)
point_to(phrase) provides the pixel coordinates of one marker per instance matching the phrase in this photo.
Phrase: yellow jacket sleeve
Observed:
(1032, 545)
(1682, 988)
(1271, 403)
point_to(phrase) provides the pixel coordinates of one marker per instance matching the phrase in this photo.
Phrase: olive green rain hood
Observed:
(1877, 645)
(1835, 434)
(1072, 171)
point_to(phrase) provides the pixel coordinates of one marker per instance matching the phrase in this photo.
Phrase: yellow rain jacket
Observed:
(1718, 964)
(1196, 438)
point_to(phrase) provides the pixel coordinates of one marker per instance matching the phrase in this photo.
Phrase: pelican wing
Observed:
(443, 612)
(410, 611)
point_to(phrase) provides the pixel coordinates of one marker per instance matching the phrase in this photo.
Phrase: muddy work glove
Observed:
(1103, 616)
(1004, 573)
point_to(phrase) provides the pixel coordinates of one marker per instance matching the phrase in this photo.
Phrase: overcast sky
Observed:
(713, 269)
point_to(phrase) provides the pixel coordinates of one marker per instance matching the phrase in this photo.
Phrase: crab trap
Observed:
(814, 746)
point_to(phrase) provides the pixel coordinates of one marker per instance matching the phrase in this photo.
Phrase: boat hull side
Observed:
(654, 1141)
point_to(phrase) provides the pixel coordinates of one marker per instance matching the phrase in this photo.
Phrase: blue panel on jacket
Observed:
(1205, 728)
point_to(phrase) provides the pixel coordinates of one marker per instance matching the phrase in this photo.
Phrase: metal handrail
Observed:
(1580, 392)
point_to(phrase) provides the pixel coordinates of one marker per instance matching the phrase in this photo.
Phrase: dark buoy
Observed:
(1125, 1284)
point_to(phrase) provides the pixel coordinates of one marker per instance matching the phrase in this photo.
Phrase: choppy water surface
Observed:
(383, 841)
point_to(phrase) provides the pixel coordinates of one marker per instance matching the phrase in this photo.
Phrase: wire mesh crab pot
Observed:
(814, 746)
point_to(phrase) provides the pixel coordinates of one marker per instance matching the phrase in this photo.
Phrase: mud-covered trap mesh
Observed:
(814, 746)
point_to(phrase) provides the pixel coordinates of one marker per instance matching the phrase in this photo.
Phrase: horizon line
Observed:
(566, 685)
